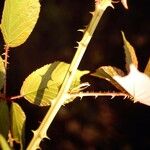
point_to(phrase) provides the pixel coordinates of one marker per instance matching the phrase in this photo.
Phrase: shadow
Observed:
(43, 85)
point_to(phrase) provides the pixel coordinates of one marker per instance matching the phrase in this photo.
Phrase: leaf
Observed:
(129, 53)
(3, 143)
(2, 73)
(147, 69)
(43, 85)
(108, 73)
(18, 123)
(137, 84)
(4, 119)
(18, 20)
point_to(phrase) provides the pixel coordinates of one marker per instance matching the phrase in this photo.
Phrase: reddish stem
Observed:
(6, 64)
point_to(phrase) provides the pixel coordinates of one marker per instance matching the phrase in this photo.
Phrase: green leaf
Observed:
(18, 20)
(129, 53)
(2, 73)
(3, 143)
(4, 119)
(108, 73)
(147, 69)
(18, 123)
(43, 85)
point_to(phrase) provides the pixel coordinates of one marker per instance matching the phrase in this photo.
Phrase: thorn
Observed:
(124, 3)
(81, 97)
(46, 137)
(92, 13)
(112, 97)
(81, 30)
(96, 96)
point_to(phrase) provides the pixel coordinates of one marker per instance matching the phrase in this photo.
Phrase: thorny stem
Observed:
(97, 94)
(40, 133)
(6, 64)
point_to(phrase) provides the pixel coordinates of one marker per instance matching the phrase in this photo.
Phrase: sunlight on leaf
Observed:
(3, 143)
(18, 123)
(107, 73)
(129, 53)
(4, 118)
(2, 73)
(18, 20)
(43, 85)
(147, 69)
(136, 83)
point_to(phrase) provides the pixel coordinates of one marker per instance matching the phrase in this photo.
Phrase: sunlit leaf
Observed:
(3, 143)
(43, 85)
(18, 20)
(18, 123)
(129, 53)
(136, 83)
(147, 69)
(2, 73)
(107, 73)
(4, 118)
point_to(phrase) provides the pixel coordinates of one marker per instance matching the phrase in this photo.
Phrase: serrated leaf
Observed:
(147, 68)
(43, 85)
(4, 119)
(3, 143)
(2, 73)
(18, 20)
(108, 73)
(129, 54)
(18, 119)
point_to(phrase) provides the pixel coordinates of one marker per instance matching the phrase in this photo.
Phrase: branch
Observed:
(40, 133)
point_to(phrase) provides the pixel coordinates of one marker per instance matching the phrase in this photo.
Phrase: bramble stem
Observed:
(6, 64)
(97, 94)
(40, 133)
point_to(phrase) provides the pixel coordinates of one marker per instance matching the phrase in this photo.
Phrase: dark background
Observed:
(87, 124)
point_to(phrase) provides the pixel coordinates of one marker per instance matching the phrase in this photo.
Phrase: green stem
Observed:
(40, 133)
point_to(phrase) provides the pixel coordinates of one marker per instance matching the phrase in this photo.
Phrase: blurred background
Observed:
(88, 124)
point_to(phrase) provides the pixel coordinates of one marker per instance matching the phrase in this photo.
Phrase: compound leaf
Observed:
(43, 85)
(18, 20)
